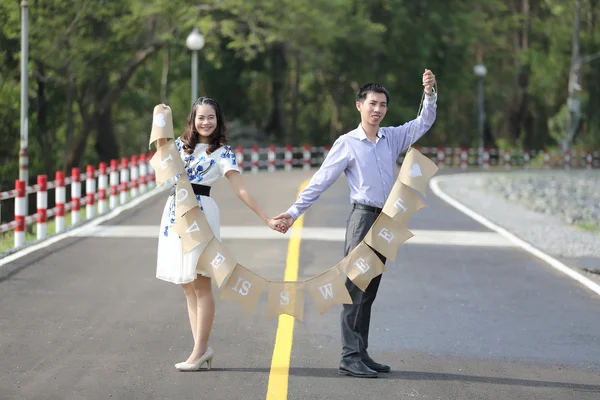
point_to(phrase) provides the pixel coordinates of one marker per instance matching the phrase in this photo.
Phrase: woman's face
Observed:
(206, 121)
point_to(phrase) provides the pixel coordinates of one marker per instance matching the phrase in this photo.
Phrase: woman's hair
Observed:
(190, 136)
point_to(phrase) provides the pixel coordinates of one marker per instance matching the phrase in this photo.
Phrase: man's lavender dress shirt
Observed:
(369, 167)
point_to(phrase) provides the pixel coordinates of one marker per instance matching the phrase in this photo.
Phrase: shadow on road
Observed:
(435, 376)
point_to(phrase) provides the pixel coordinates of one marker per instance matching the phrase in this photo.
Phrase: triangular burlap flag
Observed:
(166, 163)
(402, 203)
(286, 298)
(162, 124)
(185, 199)
(362, 265)
(386, 235)
(245, 287)
(417, 170)
(327, 289)
(193, 229)
(217, 261)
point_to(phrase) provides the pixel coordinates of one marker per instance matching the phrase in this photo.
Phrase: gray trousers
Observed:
(356, 317)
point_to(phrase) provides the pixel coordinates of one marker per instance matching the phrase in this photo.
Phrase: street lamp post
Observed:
(480, 71)
(573, 101)
(195, 42)
(23, 156)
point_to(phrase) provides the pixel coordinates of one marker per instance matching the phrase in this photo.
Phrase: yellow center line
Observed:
(280, 363)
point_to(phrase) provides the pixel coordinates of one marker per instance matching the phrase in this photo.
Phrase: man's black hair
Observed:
(362, 93)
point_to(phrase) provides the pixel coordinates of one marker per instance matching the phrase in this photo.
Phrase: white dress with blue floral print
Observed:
(172, 265)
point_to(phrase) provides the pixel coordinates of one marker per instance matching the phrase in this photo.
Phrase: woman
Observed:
(207, 157)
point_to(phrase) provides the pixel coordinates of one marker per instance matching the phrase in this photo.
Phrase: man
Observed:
(367, 155)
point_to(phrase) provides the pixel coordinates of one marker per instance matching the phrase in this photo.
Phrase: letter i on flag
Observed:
(245, 287)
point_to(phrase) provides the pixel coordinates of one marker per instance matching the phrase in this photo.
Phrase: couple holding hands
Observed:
(366, 155)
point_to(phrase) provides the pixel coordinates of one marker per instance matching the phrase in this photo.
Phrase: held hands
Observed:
(277, 225)
(286, 219)
(281, 223)
(428, 81)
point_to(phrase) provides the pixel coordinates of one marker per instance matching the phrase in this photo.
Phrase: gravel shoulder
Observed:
(556, 211)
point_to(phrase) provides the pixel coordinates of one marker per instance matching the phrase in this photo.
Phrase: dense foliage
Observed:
(286, 71)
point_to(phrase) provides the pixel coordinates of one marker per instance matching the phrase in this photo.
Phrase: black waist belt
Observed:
(201, 190)
(366, 208)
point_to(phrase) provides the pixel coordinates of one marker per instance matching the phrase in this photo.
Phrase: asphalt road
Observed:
(85, 318)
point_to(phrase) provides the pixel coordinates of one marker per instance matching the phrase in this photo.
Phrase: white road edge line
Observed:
(74, 231)
(434, 185)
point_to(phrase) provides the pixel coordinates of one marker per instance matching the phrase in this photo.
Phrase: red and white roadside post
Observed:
(486, 158)
(151, 178)
(60, 198)
(254, 156)
(114, 184)
(124, 180)
(42, 206)
(75, 196)
(143, 174)
(306, 157)
(287, 157)
(102, 186)
(20, 213)
(239, 158)
(526, 159)
(507, 159)
(441, 157)
(271, 159)
(90, 192)
(463, 158)
(567, 159)
(134, 177)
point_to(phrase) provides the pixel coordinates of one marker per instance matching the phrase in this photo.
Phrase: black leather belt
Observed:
(201, 190)
(366, 208)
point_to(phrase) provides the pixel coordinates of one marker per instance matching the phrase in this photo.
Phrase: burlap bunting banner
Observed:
(326, 289)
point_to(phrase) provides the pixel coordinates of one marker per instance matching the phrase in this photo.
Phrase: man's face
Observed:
(373, 109)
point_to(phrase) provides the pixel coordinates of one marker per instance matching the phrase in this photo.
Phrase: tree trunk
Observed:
(42, 134)
(77, 148)
(106, 142)
(519, 107)
(293, 139)
(276, 126)
(336, 99)
(164, 77)
(70, 134)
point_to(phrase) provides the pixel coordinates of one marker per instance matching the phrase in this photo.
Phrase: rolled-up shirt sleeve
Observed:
(333, 166)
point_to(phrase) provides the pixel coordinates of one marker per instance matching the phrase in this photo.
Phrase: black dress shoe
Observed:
(375, 366)
(357, 369)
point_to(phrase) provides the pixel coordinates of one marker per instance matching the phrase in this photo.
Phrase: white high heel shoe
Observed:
(206, 358)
